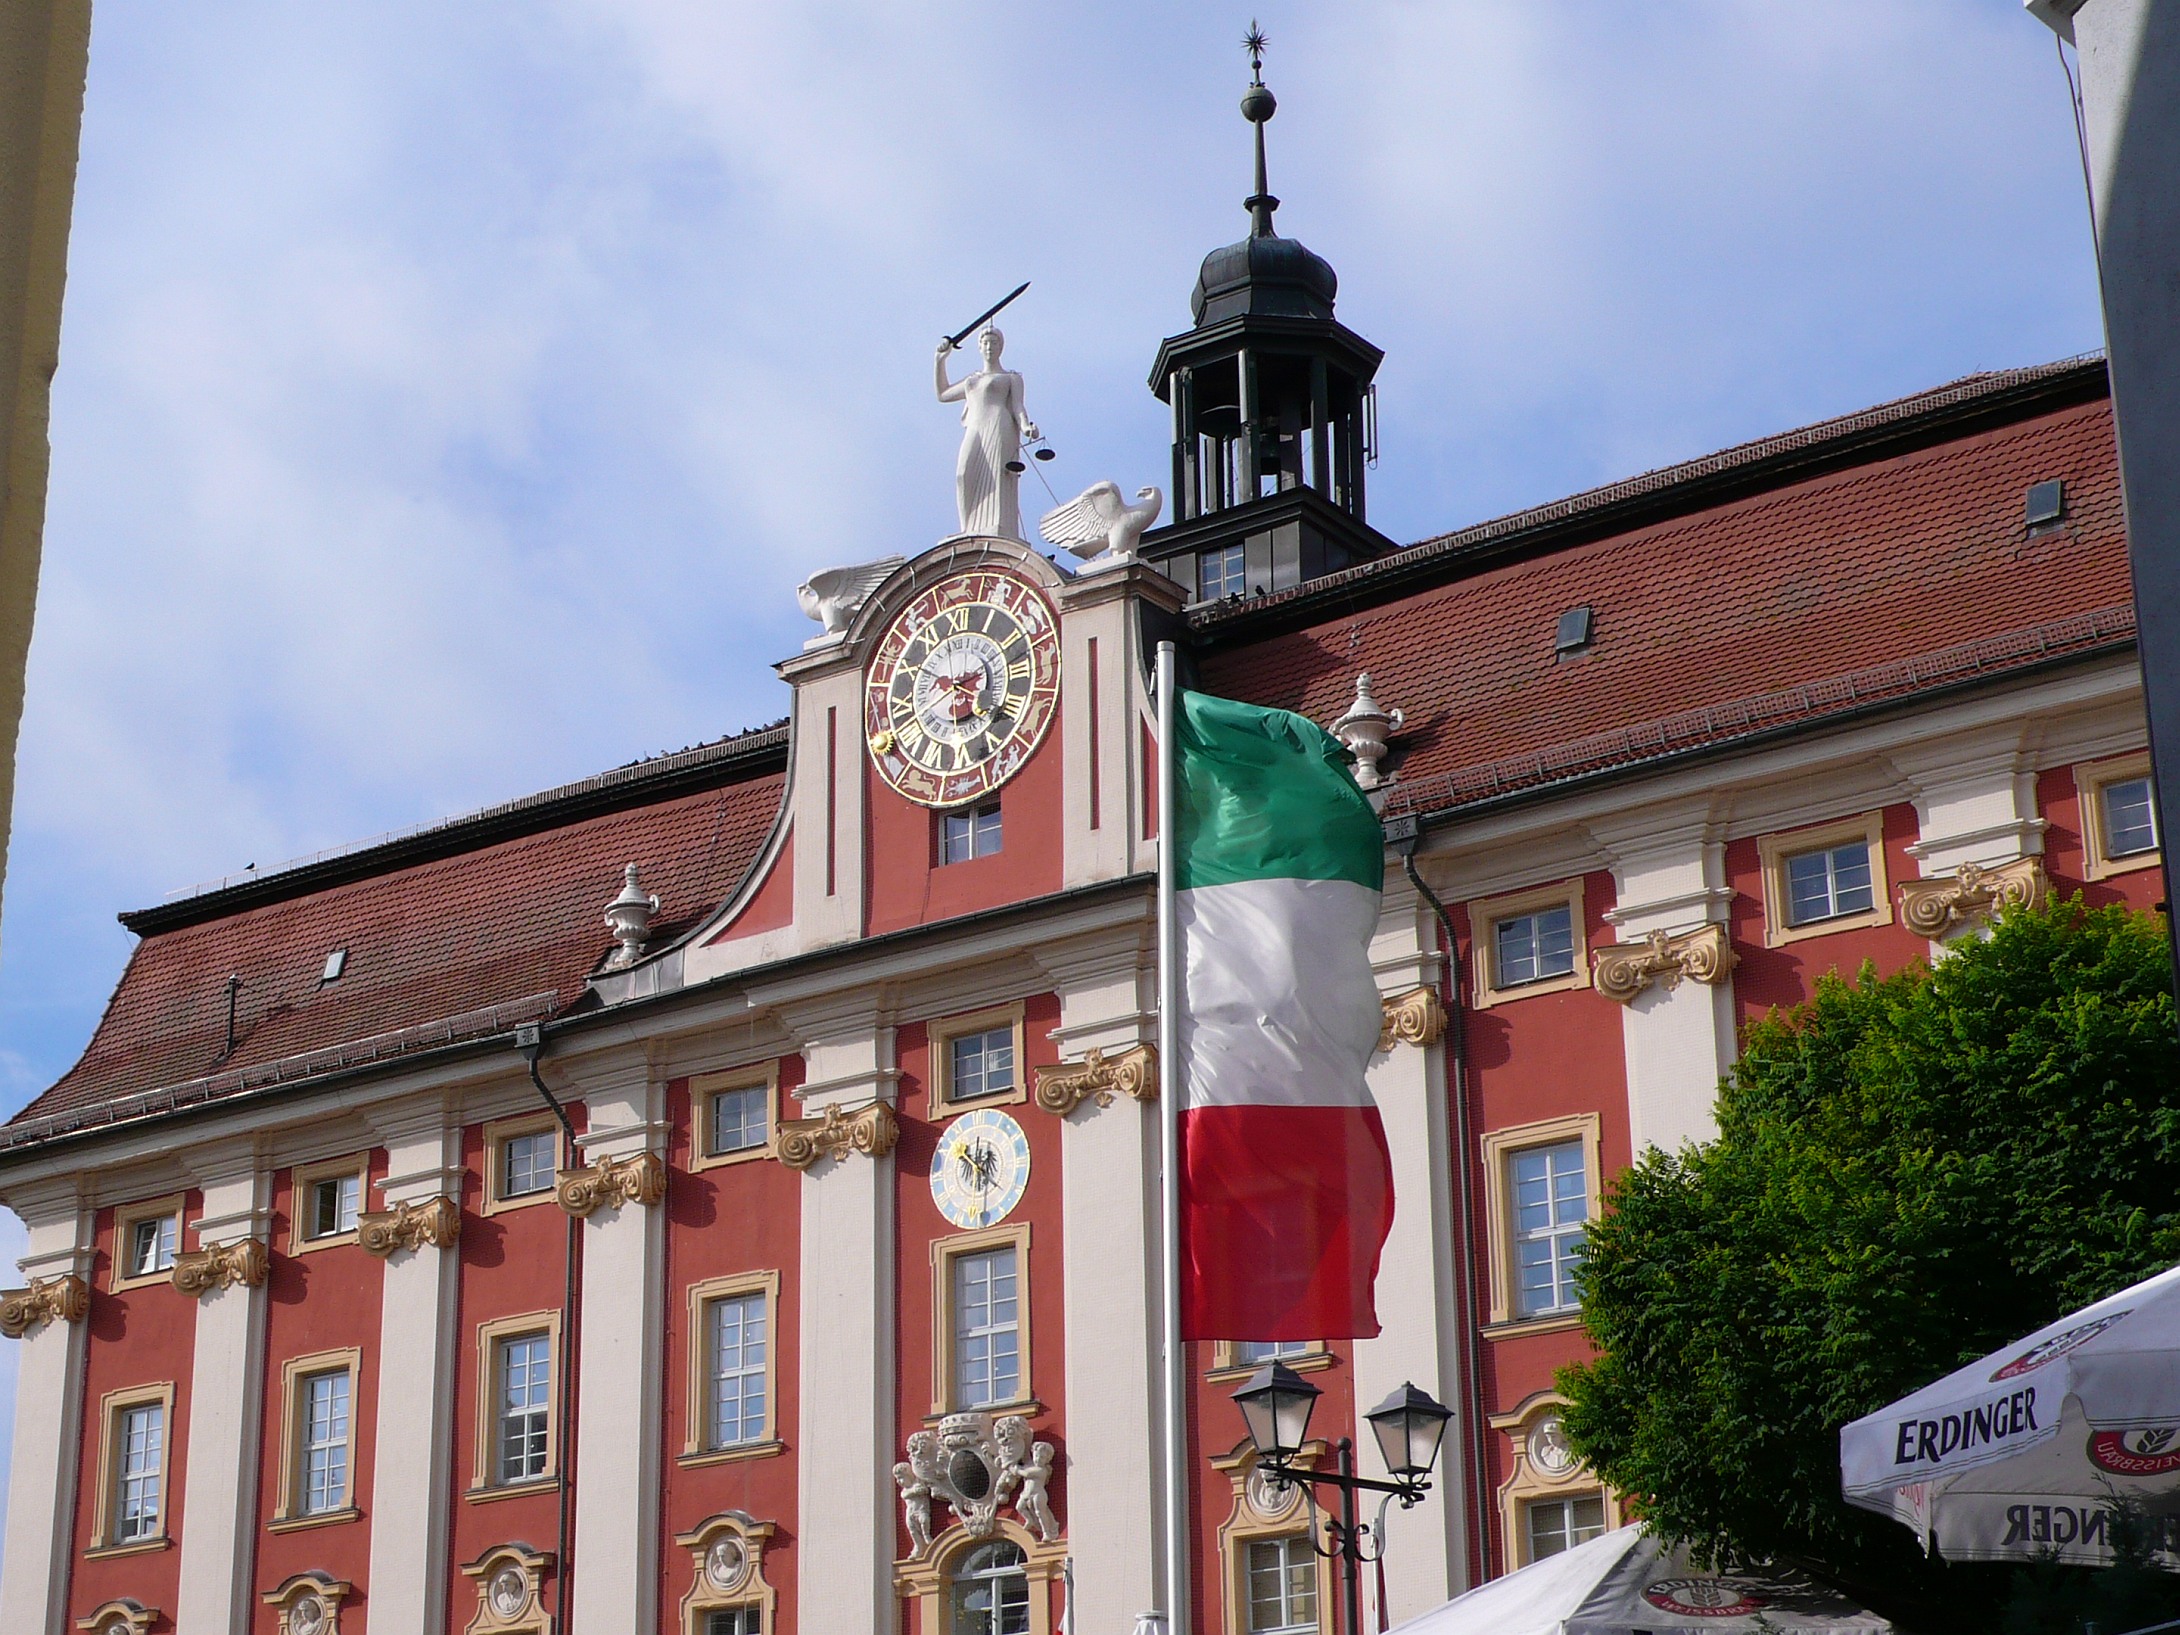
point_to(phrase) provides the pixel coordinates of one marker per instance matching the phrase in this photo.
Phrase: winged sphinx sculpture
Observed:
(831, 595)
(1099, 523)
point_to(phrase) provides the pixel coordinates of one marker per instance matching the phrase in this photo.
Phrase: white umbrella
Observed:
(2034, 1450)
(1626, 1583)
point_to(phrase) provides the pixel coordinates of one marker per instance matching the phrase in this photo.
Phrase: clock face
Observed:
(962, 687)
(981, 1168)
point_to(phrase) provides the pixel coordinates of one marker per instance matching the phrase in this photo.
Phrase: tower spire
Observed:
(1257, 106)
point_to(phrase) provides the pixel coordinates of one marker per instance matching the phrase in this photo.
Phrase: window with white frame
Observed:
(523, 1373)
(1548, 1195)
(987, 1328)
(1221, 573)
(330, 1205)
(150, 1246)
(974, 833)
(740, 1118)
(1282, 1587)
(526, 1163)
(1533, 947)
(732, 1621)
(139, 1468)
(736, 1338)
(2130, 819)
(1829, 883)
(321, 1410)
(991, 1591)
(980, 1064)
(1553, 1525)
(1256, 1353)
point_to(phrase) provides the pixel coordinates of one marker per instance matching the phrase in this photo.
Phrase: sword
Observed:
(953, 342)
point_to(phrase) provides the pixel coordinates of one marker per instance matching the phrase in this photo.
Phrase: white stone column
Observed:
(844, 1289)
(620, 1374)
(226, 1409)
(413, 1472)
(48, 1421)
(1669, 875)
(1975, 799)
(1418, 1308)
(1109, 1262)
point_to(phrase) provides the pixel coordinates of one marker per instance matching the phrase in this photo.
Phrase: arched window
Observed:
(991, 1592)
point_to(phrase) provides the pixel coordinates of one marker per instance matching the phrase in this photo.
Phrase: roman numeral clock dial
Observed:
(962, 687)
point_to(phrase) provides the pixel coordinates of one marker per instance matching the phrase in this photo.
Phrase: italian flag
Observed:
(1286, 1183)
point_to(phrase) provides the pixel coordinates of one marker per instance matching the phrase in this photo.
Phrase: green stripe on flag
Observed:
(1267, 795)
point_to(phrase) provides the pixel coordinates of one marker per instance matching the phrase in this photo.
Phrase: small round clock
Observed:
(981, 1168)
(962, 687)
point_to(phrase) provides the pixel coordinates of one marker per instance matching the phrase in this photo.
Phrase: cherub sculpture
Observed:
(916, 1476)
(1030, 1463)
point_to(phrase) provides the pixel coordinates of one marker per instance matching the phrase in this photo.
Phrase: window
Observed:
(1828, 883)
(139, 1466)
(987, 1337)
(333, 1204)
(1222, 572)
(322, 1418)
(980, 1064)
(965, 835)
(1530, 943)
(740, 1118)
(2130, 822)
(1551, 1199)
(1533, 947)
(526, 1164)
(525, 1375)
(1553, 1525)
(151, 1245)
(991, 1592)
(732, 1621)
(1282, 1587)
(737, 1345)
(1256, 1353)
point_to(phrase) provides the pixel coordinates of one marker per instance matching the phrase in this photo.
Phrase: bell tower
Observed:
(1273, 412)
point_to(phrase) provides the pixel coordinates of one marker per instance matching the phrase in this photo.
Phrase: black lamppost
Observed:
(1276, 1403)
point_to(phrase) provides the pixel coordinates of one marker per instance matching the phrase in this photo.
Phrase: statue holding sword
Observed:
(987, 475)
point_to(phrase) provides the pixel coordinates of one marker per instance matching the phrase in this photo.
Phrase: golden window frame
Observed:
(1252, 1521)
(944, 1252)
(925, 1585)
(758, 1076)
(491, 1335)
(750, 1589)
(496, 1136)
(695, 1448)
(941, 1035)
(303, 1178)
(126, 1217)
(2090, 781)
(111, 1407)
(289, 1515)
(1498, 1146)
(1226, 1365)
(1484, 915)
(1526, 1481)
(1775, 850)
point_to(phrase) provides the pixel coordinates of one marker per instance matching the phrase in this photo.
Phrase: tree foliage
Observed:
(1909, 1172)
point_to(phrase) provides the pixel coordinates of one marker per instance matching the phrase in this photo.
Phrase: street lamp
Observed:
(1275, 1404)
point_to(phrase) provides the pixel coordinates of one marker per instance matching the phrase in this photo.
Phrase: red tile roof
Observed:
(1725, 608)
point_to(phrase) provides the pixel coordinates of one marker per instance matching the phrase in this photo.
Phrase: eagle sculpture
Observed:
(1097, 522)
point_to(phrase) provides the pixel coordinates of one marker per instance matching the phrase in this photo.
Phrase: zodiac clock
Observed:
(962, 687)
(981, 1168)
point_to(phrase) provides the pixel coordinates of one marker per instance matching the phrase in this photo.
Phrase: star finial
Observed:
(1254, 43)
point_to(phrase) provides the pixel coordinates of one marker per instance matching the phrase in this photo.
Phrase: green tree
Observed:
(1910, 1171)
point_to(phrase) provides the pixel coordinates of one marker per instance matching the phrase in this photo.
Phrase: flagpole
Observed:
(1174, 1355)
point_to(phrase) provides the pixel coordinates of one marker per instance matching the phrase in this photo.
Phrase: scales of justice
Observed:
(1099, 525)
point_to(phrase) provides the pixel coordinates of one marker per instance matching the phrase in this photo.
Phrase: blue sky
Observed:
(452, 397)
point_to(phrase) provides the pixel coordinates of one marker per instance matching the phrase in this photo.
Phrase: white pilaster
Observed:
(1109, 1250)
(226, 1411)
(1975, 799)
(1101, 730)
(1418, 1311)
(1670, 875)
(619, 1379)
(413, 1475)
(48, 1423)
(845, 1285)
(827, 797)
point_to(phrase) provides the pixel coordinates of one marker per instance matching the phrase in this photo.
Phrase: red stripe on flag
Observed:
(1284, 1211)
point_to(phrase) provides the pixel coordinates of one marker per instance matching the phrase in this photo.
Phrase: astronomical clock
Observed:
(962, 687)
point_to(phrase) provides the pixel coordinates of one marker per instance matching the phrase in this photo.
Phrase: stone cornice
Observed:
(435, 1222)
(870, 1129)
(1624, 970)
(1943, 905)
(244, 1261)
(638, 1178)
(1132, 1072)
(63, 1299)
(1416, 1017)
